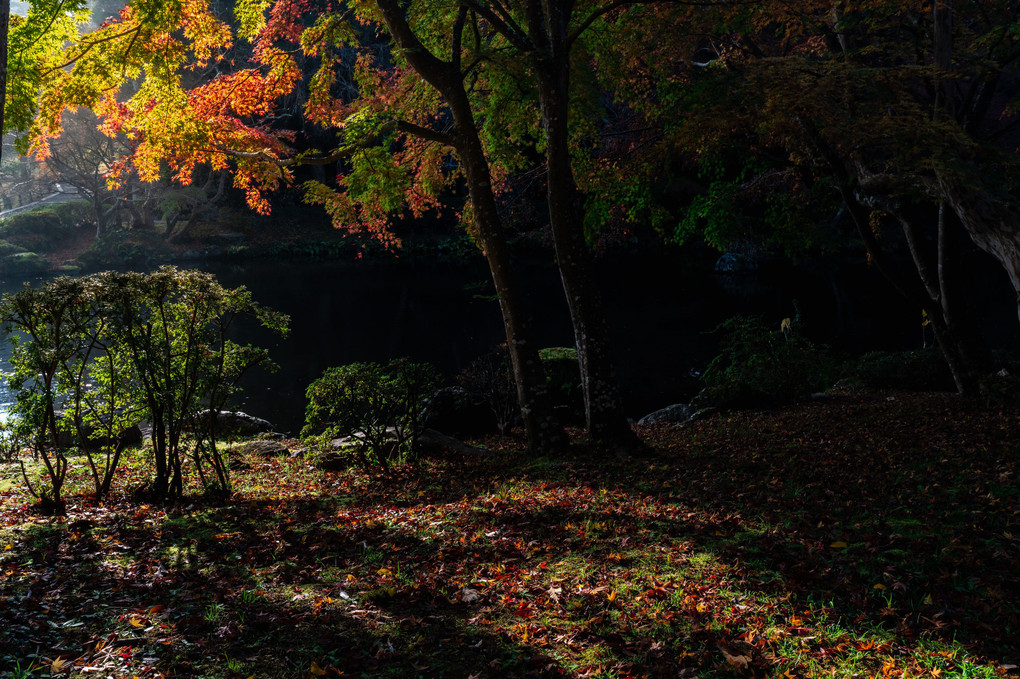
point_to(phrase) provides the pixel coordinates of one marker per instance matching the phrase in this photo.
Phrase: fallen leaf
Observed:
(734, 657)
(316, 670)
(838, 544)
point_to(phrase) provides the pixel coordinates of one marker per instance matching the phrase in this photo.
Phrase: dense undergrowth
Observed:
(867, 534)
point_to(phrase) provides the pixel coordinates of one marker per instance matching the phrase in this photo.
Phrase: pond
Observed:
(660, 315)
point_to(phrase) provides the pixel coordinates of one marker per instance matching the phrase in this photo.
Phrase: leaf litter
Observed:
(855, 536)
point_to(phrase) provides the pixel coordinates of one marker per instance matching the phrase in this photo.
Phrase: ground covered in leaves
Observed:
(862, 535)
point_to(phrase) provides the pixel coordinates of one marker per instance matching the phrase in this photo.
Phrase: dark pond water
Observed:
(659, 314)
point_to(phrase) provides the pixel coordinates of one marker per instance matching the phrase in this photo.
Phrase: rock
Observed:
(388, 447)
(238, 465)
(237, 422)
(332, 461)
(131, 436)
(431, 440)
(677, 413)
(25, 264)
(259, 448)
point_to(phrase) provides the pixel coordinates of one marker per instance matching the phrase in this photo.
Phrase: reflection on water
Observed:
(445, 314)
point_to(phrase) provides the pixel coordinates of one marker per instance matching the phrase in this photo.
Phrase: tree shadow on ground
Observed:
(750, 541)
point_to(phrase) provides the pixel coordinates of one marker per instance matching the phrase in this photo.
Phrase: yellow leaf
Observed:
(612, 595)
(928, 600)
(384, 571)
(701, 608)
(839, 544)
(136, 622)
(879, 586)
(58, 665)
(316, 670)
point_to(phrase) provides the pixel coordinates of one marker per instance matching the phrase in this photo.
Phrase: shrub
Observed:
(93, 356)
(378, 406)
(490, 378)
(758, 366)
(47, 227)
(921, 370)
(563, 376)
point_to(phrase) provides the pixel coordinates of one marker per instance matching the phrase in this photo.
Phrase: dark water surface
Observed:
(659, 315)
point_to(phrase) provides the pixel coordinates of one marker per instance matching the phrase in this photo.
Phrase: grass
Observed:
(888, 550)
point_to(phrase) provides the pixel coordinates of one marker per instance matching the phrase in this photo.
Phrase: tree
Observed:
(543, 35)
(5, 24)
(30, 47)
(395, 156)
(872, 103)
(172, 327)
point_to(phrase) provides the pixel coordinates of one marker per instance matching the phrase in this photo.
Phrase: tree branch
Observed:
(431, 67)
(458, 30)
(504, 25)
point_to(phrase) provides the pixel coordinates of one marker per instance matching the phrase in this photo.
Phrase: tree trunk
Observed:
(604, 415)
(5, 23)
(933, 296)
(544, 432)
(992, 224)
(922, 289)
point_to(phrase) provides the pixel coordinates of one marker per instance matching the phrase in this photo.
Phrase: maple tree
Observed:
(222, 123)
(393, 138)
(544, 35)
(902, 114)
(30, 49)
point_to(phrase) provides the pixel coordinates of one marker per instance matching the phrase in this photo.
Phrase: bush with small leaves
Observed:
(377, 407)
(761, 366)
(920, 370)
(94, 355)
(490, 378)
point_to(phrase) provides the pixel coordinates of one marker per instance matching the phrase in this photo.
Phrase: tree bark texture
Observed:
(547, 27)
(992, 224)
(545, 434)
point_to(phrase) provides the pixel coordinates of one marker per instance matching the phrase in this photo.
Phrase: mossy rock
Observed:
(8, 248)
(25, 264)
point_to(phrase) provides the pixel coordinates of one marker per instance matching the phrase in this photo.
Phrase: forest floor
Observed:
(866, 534)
